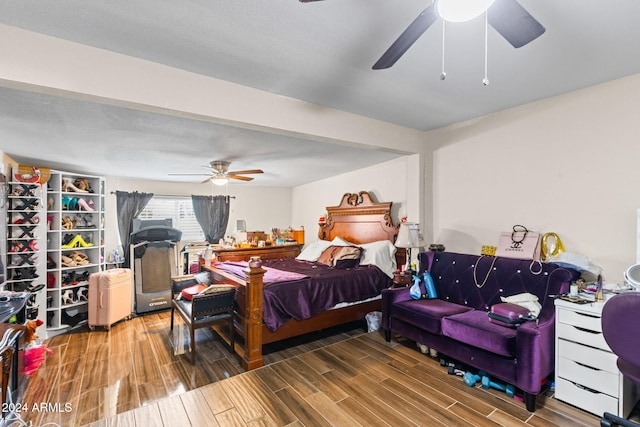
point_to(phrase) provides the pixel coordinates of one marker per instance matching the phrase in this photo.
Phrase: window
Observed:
(180, 210)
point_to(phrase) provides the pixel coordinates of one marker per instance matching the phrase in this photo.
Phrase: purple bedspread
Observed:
(322, 288)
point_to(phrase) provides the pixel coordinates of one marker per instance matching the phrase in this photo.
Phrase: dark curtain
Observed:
(129, 206)
(212, 213)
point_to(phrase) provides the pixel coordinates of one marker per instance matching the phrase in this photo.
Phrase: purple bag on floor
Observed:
(509, 314)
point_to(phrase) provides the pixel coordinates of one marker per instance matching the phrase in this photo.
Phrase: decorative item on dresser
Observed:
(266, 252)
(357, 221)
(401, 279)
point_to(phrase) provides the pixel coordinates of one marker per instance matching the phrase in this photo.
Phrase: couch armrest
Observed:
(390, 296)
(535, 352)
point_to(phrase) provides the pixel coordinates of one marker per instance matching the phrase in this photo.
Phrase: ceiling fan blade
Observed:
(206, 180)
(240, 177)
(175, 174)
(308, 1)
(513, 22)
(245, 172)
(407, 38)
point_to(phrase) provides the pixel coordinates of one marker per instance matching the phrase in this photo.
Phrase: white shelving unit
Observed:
(75, 246)
(25, 240)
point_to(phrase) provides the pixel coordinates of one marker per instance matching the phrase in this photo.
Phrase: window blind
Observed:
(180, 210)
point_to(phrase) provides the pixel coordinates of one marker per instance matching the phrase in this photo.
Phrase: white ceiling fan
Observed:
(219, 173)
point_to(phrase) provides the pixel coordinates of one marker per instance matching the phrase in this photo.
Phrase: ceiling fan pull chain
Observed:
(443, 74)
(485, 81)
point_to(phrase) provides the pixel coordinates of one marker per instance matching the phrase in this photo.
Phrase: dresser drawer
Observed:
(593, 357)
(593, 378)
(581, 335)
(589, 400)
(583, 320)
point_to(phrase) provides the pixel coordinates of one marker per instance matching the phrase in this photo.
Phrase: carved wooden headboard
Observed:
(358, 219)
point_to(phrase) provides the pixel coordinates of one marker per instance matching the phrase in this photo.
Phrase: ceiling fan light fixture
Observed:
(219, 180)
(461, 10)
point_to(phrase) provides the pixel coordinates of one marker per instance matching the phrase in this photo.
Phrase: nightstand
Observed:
(587, 375)
(401, 279)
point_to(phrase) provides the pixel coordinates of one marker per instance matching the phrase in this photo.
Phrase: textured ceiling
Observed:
(318, 52)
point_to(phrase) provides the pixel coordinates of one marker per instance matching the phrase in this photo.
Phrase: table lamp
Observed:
(409, 236)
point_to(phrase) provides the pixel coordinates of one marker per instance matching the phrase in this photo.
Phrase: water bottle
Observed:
(428, 284)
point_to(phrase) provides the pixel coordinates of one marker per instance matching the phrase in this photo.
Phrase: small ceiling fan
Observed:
(507, 17)
(220, 174)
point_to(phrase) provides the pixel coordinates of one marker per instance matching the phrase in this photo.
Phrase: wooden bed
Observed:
(357, 219)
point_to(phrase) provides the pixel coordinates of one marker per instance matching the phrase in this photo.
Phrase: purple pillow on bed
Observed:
(341, 256)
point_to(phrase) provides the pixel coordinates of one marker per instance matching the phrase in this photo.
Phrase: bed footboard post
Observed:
(253, 319)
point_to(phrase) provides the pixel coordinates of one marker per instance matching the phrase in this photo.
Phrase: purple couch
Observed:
(457, 325)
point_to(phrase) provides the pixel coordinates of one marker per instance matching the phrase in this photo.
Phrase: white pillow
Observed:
(339, 241)
(203, 277)
(381, 254)
(312, 251)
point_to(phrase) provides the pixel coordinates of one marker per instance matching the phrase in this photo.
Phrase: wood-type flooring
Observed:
(133, 376)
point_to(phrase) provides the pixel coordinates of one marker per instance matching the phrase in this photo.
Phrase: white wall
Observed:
(397, 181)
(567, 164)
(261, 207)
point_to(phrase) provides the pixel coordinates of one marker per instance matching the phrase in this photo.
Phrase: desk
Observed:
(15, 307)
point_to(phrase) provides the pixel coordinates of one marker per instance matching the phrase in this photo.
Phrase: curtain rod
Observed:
(178, 197)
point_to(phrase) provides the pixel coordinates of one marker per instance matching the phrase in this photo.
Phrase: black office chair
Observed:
(620, 320)
(203, 310)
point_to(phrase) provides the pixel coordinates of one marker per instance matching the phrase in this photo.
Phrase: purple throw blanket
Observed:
(317, 288)
(272, 275)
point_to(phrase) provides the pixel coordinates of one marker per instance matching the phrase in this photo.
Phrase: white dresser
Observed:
(586, 372)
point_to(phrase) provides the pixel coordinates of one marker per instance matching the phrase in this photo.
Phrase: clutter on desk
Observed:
(13, 295)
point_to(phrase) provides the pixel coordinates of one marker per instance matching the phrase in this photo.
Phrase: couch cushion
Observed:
(474, 328)
(426, 314)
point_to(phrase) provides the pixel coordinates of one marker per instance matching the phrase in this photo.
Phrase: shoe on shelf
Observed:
(67, 185)
(67, 261)
(51, 280)
(83, 184)
(67, 297)
(24, 192)
(83, 205)
(80, 258)
(67, 223)
(83, 221)
(72, 321)
(76, 242)
(82, 293)
(35, 288)
(65, 203)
